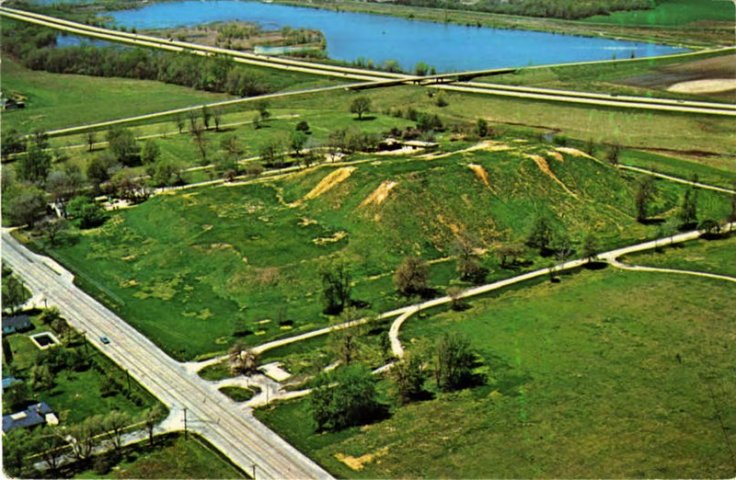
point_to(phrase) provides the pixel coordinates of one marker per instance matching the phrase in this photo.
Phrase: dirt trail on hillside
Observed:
(380, 194)
(330, 181)
(488, 145)
(544, 167)
(481, 173)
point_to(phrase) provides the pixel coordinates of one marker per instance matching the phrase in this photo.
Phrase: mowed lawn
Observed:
(711, 256)
(197, 269)
(172, 457)
(55, 100)
(607, 374)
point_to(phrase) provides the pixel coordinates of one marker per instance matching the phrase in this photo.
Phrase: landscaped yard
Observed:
(606, 374)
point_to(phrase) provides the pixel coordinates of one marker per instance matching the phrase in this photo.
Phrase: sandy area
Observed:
(711, 85)
(379, 194)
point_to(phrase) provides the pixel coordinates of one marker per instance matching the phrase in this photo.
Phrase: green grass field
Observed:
(246, 258)
(172, 457)
(668, 13)
(583, 381)
(712, 256)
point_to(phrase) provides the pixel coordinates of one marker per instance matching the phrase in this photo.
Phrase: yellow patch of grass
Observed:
(380, 194)
(358, 463)
(330, 181)
(481, 173)
(336, 237)
(556, 155)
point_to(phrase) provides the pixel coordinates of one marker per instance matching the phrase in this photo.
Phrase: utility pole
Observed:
(185, 423)
(127, 374)
(254, 471)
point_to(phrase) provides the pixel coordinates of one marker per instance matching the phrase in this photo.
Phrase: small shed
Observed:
(10, 381)
(16, 323)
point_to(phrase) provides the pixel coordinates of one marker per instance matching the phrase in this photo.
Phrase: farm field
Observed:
(245, 259)
(586, 363)
(669, 13)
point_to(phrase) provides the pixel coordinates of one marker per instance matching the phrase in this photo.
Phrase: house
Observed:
(418, 144)
(16, 323)
(37, 414)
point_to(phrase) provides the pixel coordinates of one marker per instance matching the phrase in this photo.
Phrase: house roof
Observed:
(9, 381)
(16, 321)
(33, 415)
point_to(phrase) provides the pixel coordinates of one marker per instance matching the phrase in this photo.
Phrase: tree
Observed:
(360, 106)
(14, 293)
(411, 277)
(128, 185)
(151, 420)
(562, 246)
(7, 351)
(167, 172)
(49, 442)
(613, 153)
(243, 361)
(481, 127)
(408, 378)
(49, 315)
(26, 207)
(206, 117)
(54, 230)
(41, 378)
(83, 435)
(469, 267)
(453, 362)
(86, 212)
(201, 141)
(336, 286)
(115, 423)
(217, 117)
(12, 142)
(150, 152)
(732, 215)
(179, 122)
(18, 449)
(345, 398)
(91, 138)
(100, 169)
(298, 140)
(16, 395)
(541, 235)
(590, 247)
(270, 151)
(644, 194)
(421, 69)
(345, 342)
(231, 146)
(262, 108)
(123, 146)
(508, 254)
(688, 214)
(35, 165)
(64, 184)
(303, 126)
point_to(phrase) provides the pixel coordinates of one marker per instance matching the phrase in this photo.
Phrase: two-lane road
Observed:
(238, 435)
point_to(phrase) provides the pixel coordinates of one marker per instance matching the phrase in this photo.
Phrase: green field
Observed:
(583, 382)
(172, 457)
(245, 258)
(669, 13)
(712, 256)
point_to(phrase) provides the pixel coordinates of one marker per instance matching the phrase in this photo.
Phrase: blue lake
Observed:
(379, 38)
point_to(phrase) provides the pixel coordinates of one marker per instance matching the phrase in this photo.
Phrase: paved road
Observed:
(235, 433)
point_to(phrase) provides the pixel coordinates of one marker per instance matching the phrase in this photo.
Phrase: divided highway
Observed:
(238, 435)
(376, 79)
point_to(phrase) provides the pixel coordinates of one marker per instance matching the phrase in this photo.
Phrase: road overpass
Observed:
(238, 435)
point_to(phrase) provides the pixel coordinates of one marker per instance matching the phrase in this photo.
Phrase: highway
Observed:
(376, 79)
(238, 435)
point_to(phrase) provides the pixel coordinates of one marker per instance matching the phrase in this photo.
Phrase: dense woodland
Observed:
(36, 49)
(567, 9)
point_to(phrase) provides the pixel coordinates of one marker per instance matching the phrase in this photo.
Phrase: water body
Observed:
(379, 38)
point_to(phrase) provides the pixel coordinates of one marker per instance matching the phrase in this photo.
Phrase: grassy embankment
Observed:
(77, 393)
(172, 457)
(246, 258)
(583, 381)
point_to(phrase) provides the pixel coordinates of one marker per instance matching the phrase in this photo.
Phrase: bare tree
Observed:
(115, 423)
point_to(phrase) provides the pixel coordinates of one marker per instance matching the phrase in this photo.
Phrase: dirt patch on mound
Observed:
(487, 145)
(711, 85)
(358, 463)
(556, 155)
(481, 173)
(544, 167)
(332, 179)
(379, 194)
(333, 239)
